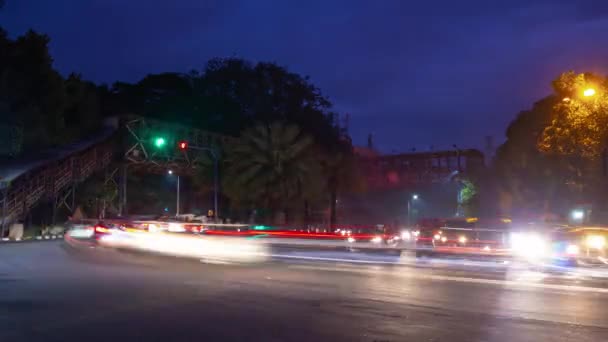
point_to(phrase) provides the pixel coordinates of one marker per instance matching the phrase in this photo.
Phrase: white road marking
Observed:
(286, 256)
(521, 284)
(401, 262)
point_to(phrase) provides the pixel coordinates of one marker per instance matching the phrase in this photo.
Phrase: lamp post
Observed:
(414, 197)
(177, 200)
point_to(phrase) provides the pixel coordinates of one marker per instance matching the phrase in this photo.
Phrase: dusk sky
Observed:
(415, 73)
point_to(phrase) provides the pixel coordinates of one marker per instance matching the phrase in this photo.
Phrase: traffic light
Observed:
(183, 145)
(159, 142)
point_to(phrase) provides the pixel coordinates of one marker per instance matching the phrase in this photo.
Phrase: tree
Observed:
(578, 133)
(46, 108)
(469, 197)
(272, 165)
(527, 178)
(579, 127)
(341, 172)
(551, 156)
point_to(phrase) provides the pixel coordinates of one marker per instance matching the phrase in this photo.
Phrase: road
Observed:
(48, 293)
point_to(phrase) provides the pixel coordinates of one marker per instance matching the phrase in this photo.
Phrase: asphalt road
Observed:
(48, 293)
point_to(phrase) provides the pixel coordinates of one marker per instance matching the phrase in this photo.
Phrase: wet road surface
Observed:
(50, 293)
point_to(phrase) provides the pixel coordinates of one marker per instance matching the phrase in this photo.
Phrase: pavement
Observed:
(51, 292)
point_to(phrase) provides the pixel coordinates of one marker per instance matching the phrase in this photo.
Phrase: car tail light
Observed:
(100, 230)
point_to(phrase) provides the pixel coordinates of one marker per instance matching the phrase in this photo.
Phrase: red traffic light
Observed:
(183, 145)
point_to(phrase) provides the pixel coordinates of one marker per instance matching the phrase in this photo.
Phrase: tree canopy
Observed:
(49, 109)
(552, 154)
(229, 95)
(579, 125)
(272, 165)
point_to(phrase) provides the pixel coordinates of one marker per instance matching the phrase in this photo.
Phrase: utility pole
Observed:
(170, 172)
(177, 204)
(216, 183)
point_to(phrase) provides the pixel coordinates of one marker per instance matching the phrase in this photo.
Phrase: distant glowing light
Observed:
(377, 239)
(160, 142)
(487, 248)
(566, 99)
(462, 240)
(529, 245)
(415, 197)
(170, 172)
(589, 92)
(176, 227)
(100, 229)
(437, 237)
(596, 241)
(406, 235)
(572, 250)
(578, 214)
(444, 239)
(351, 239)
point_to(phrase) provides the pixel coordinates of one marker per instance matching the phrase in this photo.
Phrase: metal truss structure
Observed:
(130, 147)
(202, 150)
(141, 152)
(53, 179)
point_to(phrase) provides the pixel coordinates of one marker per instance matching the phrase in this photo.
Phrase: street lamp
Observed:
(578, 215)
(170, 172)
(409, 208)
(589, 92)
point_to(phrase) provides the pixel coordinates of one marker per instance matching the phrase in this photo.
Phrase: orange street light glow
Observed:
(589, 92)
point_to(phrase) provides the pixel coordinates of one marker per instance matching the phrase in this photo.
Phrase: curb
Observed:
(31, 239)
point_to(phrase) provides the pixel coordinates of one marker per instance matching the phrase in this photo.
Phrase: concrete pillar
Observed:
(15, 231)
(4, 210)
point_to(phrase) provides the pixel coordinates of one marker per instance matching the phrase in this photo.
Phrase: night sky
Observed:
(415, 73)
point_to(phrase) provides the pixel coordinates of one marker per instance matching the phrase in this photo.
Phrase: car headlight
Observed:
(376, 239)
(595, 241)
(462, 239)
(572, 250)
(530, 245)
(406, 235)
(351, 239)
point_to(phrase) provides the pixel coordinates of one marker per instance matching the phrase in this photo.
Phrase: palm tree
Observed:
(272, 165)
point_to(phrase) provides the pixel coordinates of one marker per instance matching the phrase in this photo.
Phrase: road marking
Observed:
(285, 256)
(418, 263)
(567, 288)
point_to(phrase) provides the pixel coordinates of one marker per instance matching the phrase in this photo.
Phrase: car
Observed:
(585, 245)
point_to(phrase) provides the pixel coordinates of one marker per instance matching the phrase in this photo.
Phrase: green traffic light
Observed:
(159, 142)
